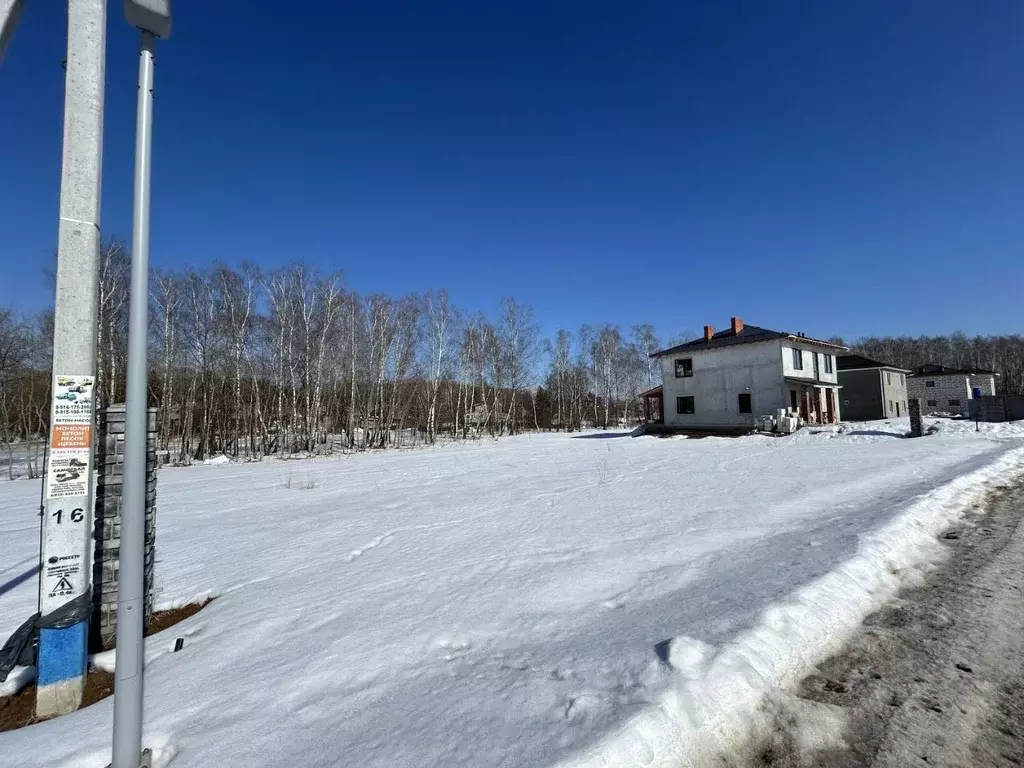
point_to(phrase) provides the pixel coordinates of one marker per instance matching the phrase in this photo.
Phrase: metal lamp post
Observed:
(153, 18)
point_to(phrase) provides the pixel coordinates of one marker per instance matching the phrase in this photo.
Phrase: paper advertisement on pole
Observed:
(72, 399)
(68, 468)
(67, 473)
(68, 486)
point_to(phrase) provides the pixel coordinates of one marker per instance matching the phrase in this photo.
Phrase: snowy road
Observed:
(936, 677)
(493, 604)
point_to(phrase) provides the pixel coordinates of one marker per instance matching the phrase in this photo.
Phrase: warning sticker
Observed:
(63, 587)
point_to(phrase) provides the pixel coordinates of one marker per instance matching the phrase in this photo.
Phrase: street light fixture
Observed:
(153, 18)
(10, 12)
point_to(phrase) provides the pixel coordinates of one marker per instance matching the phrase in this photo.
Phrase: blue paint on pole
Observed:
(63, 654)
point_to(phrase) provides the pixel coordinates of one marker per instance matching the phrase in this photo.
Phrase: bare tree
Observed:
(518, 349)
(166, 299)
(647, 343)
(112, 340)
(560, 351)
(440, 319)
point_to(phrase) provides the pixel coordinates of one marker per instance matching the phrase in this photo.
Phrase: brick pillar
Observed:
(107, 535)
(916, 424)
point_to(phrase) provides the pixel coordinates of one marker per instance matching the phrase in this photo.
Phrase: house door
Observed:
(830, 403)
(805, 406)
(897, 409)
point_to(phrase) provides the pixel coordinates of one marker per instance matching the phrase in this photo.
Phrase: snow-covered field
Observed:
(508, 603)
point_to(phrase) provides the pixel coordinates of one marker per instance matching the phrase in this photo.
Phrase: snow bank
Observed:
(717, 701)
(1007, 430)
(870, 431)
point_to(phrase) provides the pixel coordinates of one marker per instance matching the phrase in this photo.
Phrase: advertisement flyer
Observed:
(66, 526)
(72, 399)
(67, 473)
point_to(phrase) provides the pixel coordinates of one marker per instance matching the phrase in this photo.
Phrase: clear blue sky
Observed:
(796, 163)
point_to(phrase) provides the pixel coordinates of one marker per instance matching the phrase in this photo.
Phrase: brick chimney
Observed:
(737, 325)
(709, 331)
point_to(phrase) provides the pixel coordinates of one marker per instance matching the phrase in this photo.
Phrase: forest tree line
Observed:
(253, 362)
(1002, 354)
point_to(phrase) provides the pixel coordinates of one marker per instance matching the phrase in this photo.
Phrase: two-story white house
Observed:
(725, 380)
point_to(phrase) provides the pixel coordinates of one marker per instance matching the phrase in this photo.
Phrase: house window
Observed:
(684, 368)
(929, 384)
(798, 359)
(954, 403)
(932, 403)
(684, 404)
(745, 405)
(828, 363)
(887, 382)
(793, 400)
(890, 407)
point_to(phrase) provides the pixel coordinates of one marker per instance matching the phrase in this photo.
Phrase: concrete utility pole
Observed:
(66, 571)
(153, 18)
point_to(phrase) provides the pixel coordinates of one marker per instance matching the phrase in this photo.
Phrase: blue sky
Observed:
(831, 167)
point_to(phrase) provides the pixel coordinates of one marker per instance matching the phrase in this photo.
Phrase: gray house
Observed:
(944, 390)
(871, 389)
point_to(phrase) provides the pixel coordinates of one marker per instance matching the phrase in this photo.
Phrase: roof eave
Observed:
(933, 374)
(876, 368)
(818, 342)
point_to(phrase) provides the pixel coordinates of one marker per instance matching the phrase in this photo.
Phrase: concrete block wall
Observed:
(720, 375)
(107, 521)
(946, 388)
